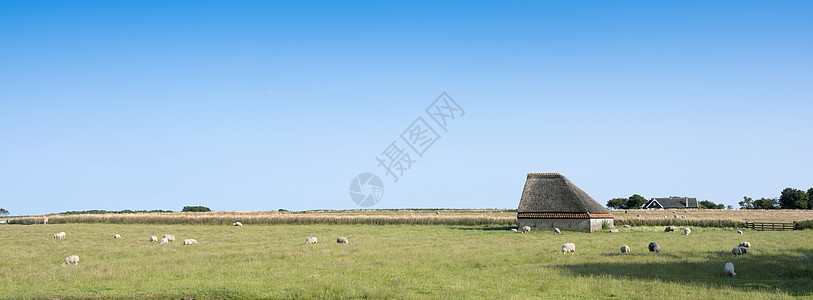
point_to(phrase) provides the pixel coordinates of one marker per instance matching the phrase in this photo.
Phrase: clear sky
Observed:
(241, 105)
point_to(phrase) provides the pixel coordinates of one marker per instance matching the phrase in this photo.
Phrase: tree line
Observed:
(637, 202)
(790, 198)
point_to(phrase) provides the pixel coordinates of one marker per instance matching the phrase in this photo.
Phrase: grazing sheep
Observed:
(687, 231)
(669, 229)
(238, 224)
(664, 217)
(625, 249)
(745, 244)
(310, 240)
(802, 257)
(613, 230)
(153, 238)
(625, 226)
(639, 215)
(73, 259)
(169, 237)
(190, 242)
(729, 270)
(739, 231)
(342, 240)
(556, 230)
(525, 229)
(116, 236)
(164, 241)
(683, 217)
(676, 216)
(654, 247)
(569, 248)
(437, 212)
(59, 235)
(739, 251)
(513, 229)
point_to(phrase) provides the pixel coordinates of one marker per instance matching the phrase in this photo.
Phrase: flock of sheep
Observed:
(73, 259)
(654, 247)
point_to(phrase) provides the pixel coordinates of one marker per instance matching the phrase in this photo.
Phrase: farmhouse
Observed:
(671, 203)
(550, 201)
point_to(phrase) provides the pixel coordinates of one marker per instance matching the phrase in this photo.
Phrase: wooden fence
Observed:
(770, 226)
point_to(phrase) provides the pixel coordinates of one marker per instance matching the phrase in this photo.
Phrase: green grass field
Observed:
(396, 261)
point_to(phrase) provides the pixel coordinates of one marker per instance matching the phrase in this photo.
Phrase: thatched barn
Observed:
(550, 201)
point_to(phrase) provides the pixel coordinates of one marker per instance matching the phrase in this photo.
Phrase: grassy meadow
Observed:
(396, 261)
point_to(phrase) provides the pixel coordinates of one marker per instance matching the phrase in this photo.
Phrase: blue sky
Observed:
(261, 106)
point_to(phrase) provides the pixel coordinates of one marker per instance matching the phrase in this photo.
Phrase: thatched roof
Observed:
(552, 192)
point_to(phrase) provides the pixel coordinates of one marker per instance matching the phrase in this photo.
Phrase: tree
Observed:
(793, 199)
(637, 201)
(746, 203)
(3, 212)
(764, 203)
(730, 207)
(810, 198)
(617, 203)
(195, 209)
(705, 204)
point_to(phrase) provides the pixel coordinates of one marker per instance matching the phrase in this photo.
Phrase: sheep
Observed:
(625, 249)
(683, 217)
(739, 251)
(687, 231)
(116, 236)
(342, 240)
(654, 247)
(676, 216)
(190, 242)
(556, 230)
(745, 244)
(625, 226)
(60, 235)
(238, 224)
(73, 259)
(310, 240)
(669, 229)
(164, 241)
(639, 215)
(739, 231)
(169, 237)
(153, 238)
(729, 269)
(569, 248)
(525, 229)
(513, 229)
(802, 257)
(613, 230)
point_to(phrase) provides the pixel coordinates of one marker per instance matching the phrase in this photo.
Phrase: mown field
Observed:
(397, 261)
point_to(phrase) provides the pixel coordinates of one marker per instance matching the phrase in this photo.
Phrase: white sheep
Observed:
(525, 229)
(669, 229)
(654, 247)
(802, 257)
(238, 224)
(556, 230)
(311, 240)
(729, 269)
(625, 249)
(569, 248)
(687, 231)
(513, 229)
(59, 235)
(613, 230)
(164, 241)
(625, 226)
(342, 240)
(73, 259)
(116, 236)
(153, 239)
(169, 237)
(190, 242)
(745, 244)
(639, 215)
(739, 231)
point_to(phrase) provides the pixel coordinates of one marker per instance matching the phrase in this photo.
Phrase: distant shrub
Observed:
(282, 209)
(804, 224)
(195, 209)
